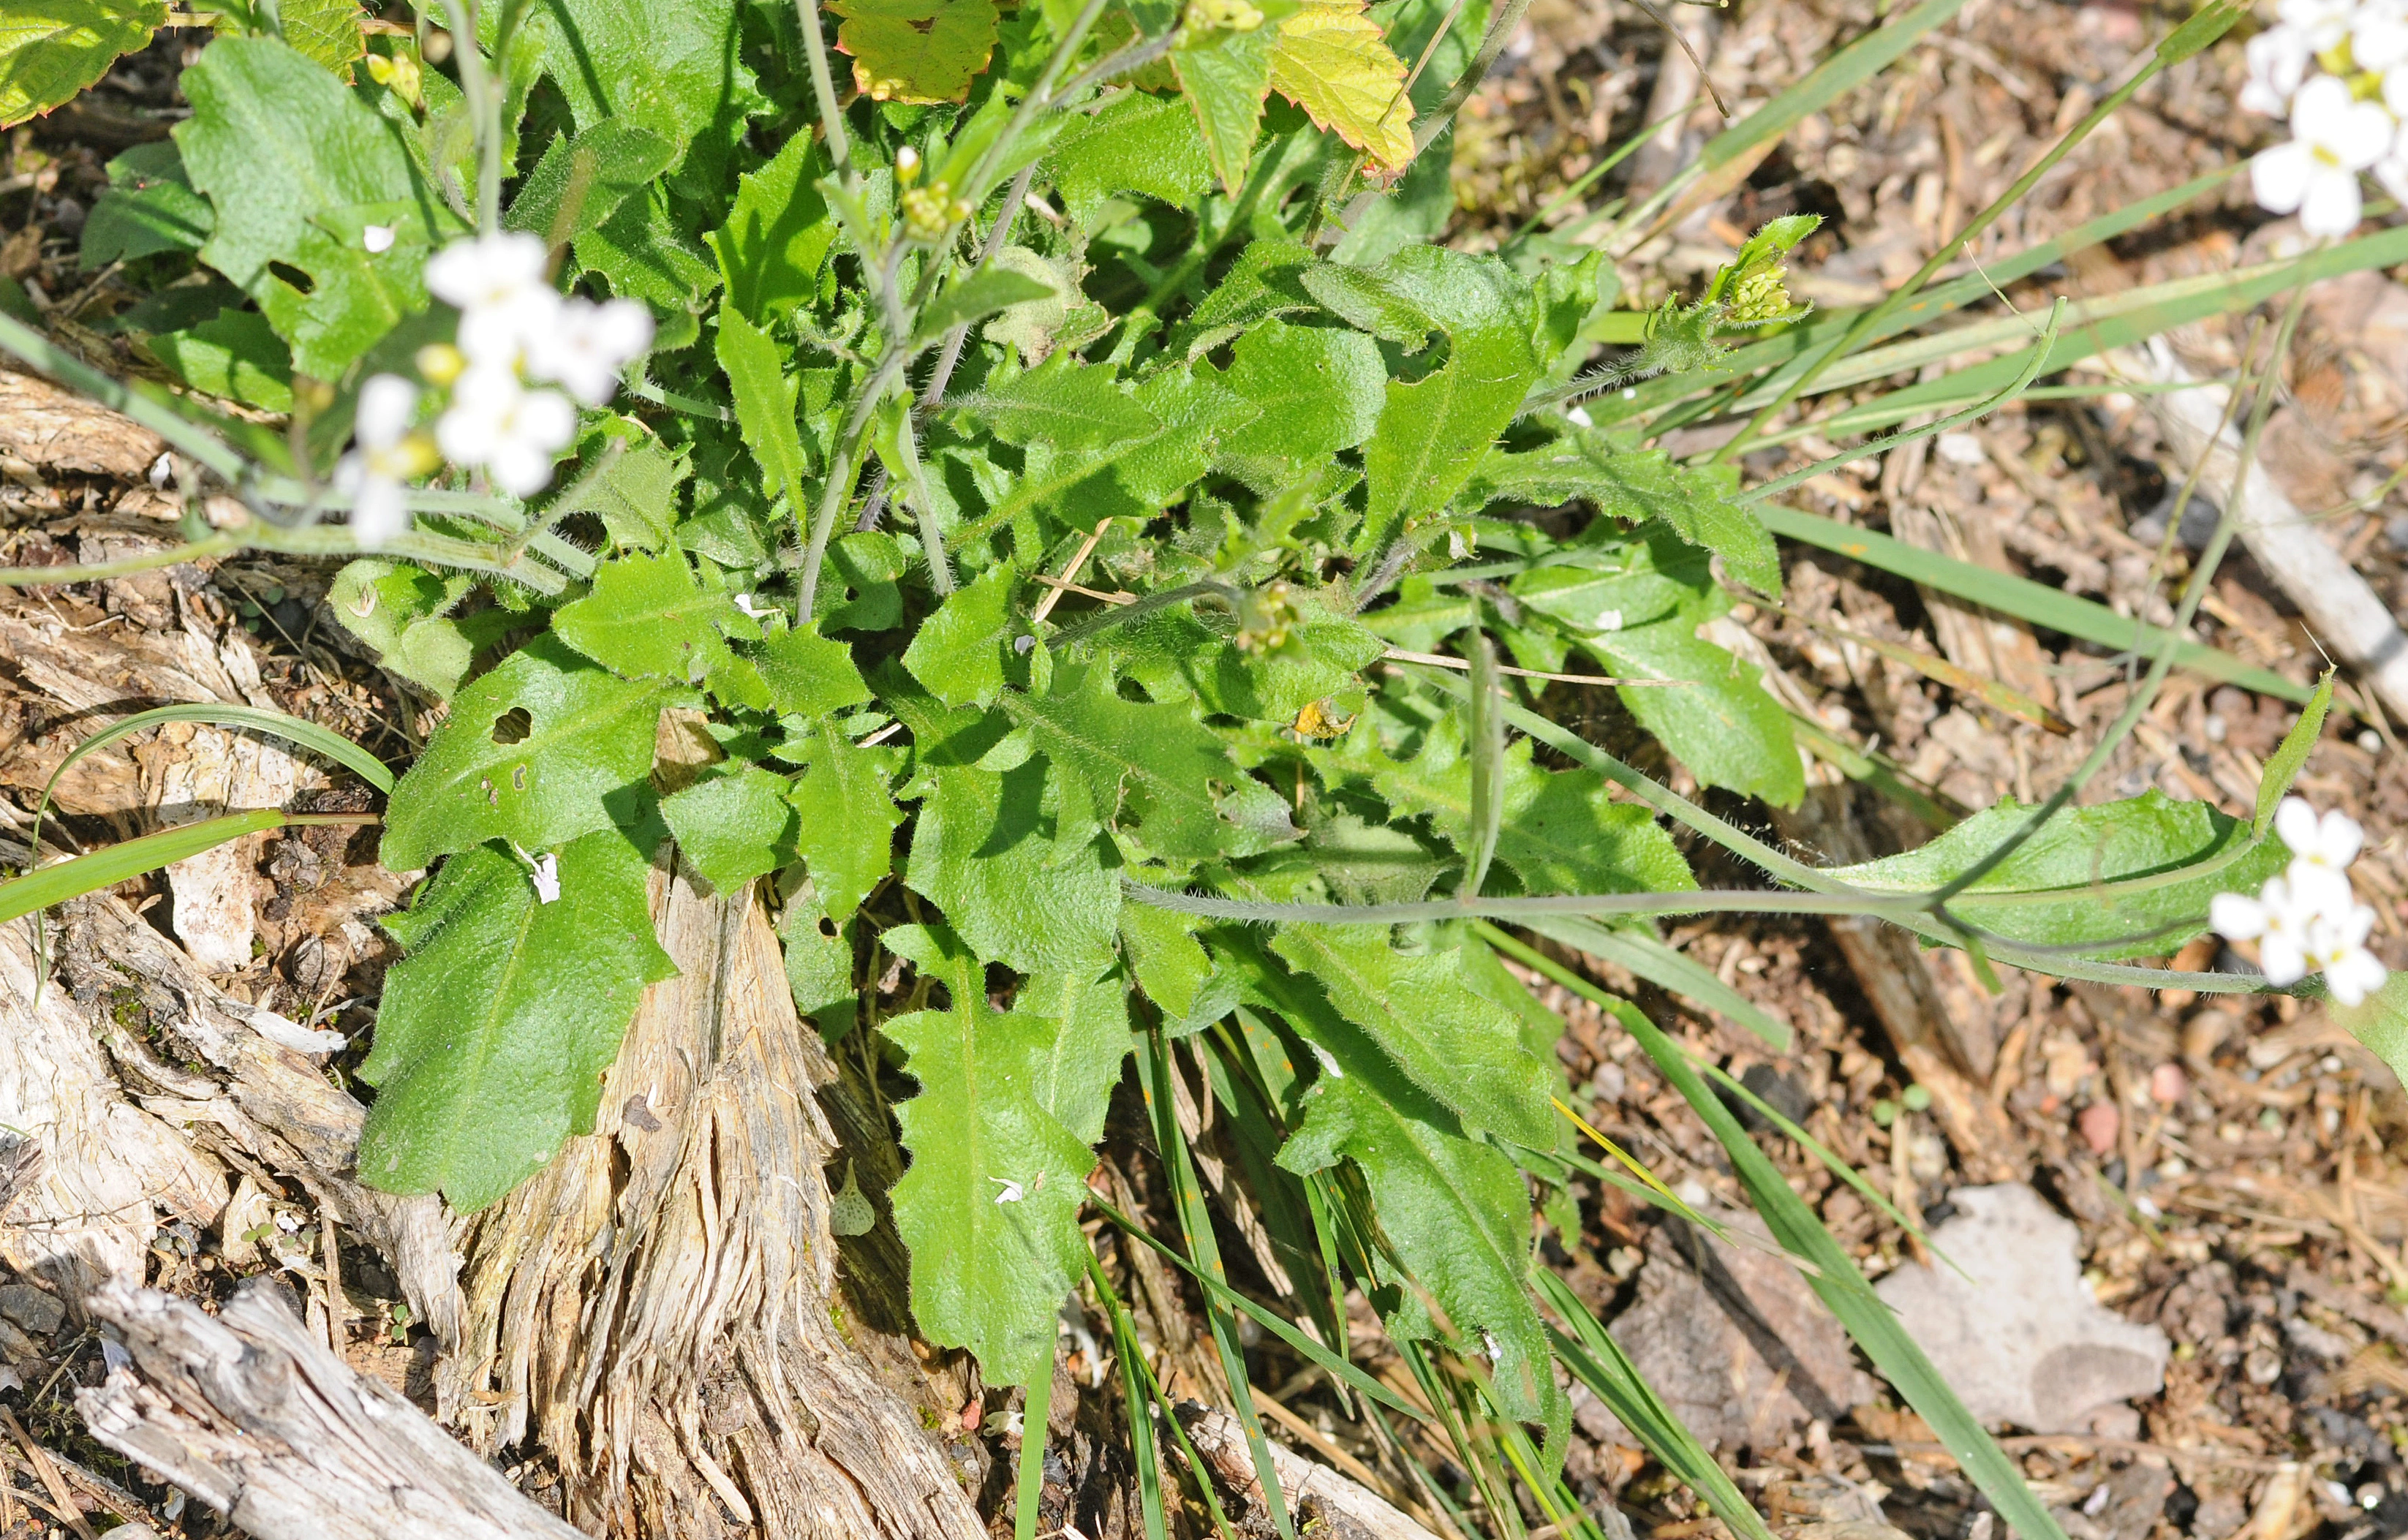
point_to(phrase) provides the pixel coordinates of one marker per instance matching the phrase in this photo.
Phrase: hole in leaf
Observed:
(827, 928)
(293, 276)
(513, 725)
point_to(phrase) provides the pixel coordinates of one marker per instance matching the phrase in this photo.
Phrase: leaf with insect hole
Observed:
(545, 747)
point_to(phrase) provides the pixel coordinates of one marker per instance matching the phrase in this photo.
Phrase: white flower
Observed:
(2308, 920)
(2278, 62)
(545, 874)
(2378, 36)
(753, 610)
(498, 285)
(1012, 1191)
(1579, 417)
(373, 473)
(2336, 944)
(378, 238)
(2325, 23)
(487, 272)
(2277, 920)
(2395, 90)
(513, 432)
(2332, 841)
(2334, 137)
(586, 345)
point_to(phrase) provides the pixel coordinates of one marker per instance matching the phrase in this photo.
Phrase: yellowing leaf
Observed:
(1331, 60)
(916, 50)
(49, 49)
(326, 32)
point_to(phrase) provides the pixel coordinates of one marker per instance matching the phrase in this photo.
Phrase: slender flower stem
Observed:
(807, 12)
(900, 346)
(484, 111)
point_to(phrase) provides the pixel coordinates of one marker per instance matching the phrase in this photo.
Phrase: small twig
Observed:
(64, 1502)
(1066, 582)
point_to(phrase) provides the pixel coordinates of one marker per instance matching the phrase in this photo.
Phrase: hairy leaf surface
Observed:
(650, 617)
(848, 820)
(536, 752)
(2073, 867)
(1562, 832)
(990, 1205)
(1454, 1209)
(732, 827)
(1154, 771)
(1433, 431)
(809, 674)
(1457, 1046)
(496, 1029)
(296, 168)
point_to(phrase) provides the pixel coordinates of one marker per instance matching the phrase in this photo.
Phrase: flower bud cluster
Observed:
(2308, 920)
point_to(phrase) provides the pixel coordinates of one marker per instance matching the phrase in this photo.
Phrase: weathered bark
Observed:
(268, 1101)
(93, 1170)
(658, 1306)
(250, 1414)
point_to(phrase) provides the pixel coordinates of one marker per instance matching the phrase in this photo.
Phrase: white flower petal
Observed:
(2339, 838)
(378, 238)
(2236, 916)
(2279, 177)
(387, 403)
(2295, 824)
(2281, 959)
(488, 270)
(2355, 977)
(2331, 205)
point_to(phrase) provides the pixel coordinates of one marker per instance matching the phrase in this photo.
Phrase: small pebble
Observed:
(2371, 740)
(2168, 1085)
(2099, 1123)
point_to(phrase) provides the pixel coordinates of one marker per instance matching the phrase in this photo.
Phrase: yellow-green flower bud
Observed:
(1760, 296)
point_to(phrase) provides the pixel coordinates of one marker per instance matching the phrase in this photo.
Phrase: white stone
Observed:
(2023, 1340)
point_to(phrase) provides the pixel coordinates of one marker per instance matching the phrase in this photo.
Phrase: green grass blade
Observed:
(1786, 355)
(1269, 1320)
(1485, 740)
(2290, 756)
(1836, 1279)
(2039, 356)
(1135, 1403)
(1124, 1330)
(2098, 326)
(127, 859)
(309, 735)
(1028, 1495)
(2021, 598)
(1598, 1361)
(1154, 1061)
(1664, 968)
(293, 730)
